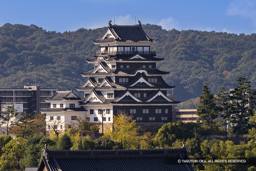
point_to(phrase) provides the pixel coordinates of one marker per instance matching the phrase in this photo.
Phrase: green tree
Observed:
(24, 126)
(4, 139)
(33, 150)
(7, 115)
(207, 108)
(124, 132)
(64, 143)
(241, 106)
(12, 154)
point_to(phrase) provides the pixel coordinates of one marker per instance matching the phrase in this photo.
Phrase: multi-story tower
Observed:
(125, 79)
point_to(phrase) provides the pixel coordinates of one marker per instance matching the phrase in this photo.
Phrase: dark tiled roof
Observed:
(133, 32)
(106, 160)
(124, 33)
(64, 95)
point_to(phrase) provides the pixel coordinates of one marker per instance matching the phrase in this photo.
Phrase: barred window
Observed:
(145, 111)
(132, 111)
(158, 111)
(138, 118)
(152, 118)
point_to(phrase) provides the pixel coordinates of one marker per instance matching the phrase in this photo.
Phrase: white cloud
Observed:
(168, 23)
(124, 20)
(243, 8)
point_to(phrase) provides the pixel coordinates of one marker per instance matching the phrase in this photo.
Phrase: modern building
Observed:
(30, 99)
(186, 115)
(125, 160)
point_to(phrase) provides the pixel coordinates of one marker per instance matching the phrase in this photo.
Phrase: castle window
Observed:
(150, 66)
(158, 111)
(100, 80)
(54, 106)
(166, 110)
(61, 105)
(58, 117)
(164, 118)
(95, 118)
(110, 95)
(60, 126)
(152, 80)
(121, 66)
(87, 118)
(143, 66)
(51, 118)
(108, 111)
(152, 118)
(91, 111)
(137, 95)
(145, 111)
(144, 94)
(109, 119)
(123, 80)
(49, 127)
(73, 117)
(113, 66)
(132, 111)
(127, 66)
(138, 118)
(72, 105)
(104, 118)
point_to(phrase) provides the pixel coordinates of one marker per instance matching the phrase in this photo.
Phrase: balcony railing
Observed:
(125, 53)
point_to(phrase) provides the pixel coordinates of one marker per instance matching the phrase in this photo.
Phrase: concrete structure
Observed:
(186, 115)
(30, 99)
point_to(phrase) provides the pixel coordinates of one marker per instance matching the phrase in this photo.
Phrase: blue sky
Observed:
(232, 16)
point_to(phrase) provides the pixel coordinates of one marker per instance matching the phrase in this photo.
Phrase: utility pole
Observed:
(102, 115)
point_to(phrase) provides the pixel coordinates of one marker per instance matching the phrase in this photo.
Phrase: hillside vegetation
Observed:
(31, 55)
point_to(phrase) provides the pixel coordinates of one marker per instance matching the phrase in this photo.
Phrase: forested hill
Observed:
(29, 54)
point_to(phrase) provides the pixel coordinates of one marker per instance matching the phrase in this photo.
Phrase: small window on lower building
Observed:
(91, 111)
(108, 111)
(139, 118)
(54, 106)
(87, 118)
(113, 66)
(100, 111)
(71, 105)
(109, 119)
(152, 118)
(55, 126)
(145, 111)
(51, 118)
(58, 117)
(132, 111)
(110, 95)
(164, 118)
(158, 111)
(166, 110)
(61, 105)
(73, 117)
(60, 126)
(49, 127)
(95, 118)
(104, 118)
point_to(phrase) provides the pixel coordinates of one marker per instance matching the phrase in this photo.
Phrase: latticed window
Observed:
(132, 111)
(152, 118)
(158, 111)
(145, 111)
(73, 117)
